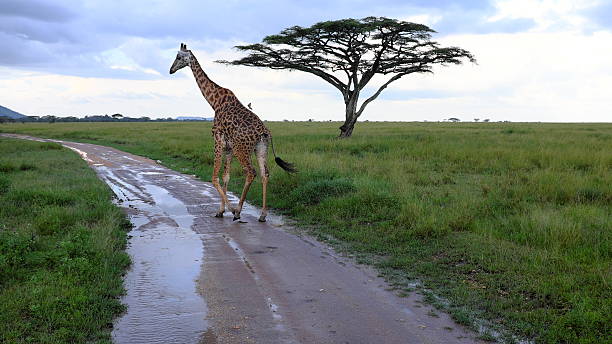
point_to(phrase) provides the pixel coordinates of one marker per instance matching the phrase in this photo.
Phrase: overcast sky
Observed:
(537, 60)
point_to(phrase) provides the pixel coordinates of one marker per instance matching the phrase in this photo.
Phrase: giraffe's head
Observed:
(182, 59)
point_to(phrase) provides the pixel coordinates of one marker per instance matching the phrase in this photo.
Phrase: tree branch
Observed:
(321, 74)
(379, 91)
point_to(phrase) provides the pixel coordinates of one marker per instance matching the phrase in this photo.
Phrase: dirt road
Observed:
(200, 279)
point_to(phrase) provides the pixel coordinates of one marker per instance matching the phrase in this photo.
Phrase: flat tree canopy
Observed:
(348, 53)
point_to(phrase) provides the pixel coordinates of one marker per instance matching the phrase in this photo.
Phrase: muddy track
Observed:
(200, 279)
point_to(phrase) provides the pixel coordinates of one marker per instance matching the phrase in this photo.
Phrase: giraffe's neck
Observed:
(208, 88)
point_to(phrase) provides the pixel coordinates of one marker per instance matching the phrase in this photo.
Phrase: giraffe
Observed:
(237, 131)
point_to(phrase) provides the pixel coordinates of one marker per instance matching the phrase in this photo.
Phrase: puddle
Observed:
(128, 158)
(122, 190)
(164, 305)
(172, 207)
(82, 154)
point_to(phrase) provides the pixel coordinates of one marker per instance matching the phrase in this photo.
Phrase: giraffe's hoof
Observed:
(219, 214)
(262, 218)
(236, 214)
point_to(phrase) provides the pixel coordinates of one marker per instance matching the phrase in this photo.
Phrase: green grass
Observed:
(507, 222)
(61, 247)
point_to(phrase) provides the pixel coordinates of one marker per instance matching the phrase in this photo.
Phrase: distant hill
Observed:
(6, 112)
(191, 118)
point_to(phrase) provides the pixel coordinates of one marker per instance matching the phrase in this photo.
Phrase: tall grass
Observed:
(509, 221)
(61, 247)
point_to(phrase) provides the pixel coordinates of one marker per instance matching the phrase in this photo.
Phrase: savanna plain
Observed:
(506, 223)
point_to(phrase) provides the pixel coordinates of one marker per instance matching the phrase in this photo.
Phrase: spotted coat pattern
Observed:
(238, 132)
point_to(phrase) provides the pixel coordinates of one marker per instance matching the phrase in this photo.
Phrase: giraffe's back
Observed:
(238, 125)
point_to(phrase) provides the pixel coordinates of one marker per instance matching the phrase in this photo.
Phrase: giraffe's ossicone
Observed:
(237, 132)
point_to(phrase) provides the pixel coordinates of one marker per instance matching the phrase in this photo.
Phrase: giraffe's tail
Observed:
(287, 166)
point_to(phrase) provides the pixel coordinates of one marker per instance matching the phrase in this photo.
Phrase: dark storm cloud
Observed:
(75, 37)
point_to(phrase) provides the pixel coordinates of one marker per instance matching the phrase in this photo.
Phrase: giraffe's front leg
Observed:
(215, 177)
(226, 177)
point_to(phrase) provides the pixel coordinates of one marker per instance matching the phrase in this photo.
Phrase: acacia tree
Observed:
(348, 53)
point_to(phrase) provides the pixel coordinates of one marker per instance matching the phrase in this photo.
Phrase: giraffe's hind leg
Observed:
(261, 150)
(244, 157)
(227, 168)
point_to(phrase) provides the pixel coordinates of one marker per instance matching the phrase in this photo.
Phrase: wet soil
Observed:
(199, 279)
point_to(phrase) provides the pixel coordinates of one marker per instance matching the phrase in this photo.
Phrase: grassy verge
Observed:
(61, 247)
(507, 222)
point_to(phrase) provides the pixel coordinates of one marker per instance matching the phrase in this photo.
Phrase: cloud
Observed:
(549, 16)
(521, 77)
(87, 38)
(37, 10)
(475, 22)
(394, 94)
(600, 15)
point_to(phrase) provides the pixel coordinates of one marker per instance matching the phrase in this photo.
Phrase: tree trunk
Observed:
(346, 130)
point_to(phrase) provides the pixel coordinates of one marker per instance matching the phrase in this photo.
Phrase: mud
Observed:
(199, 279)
